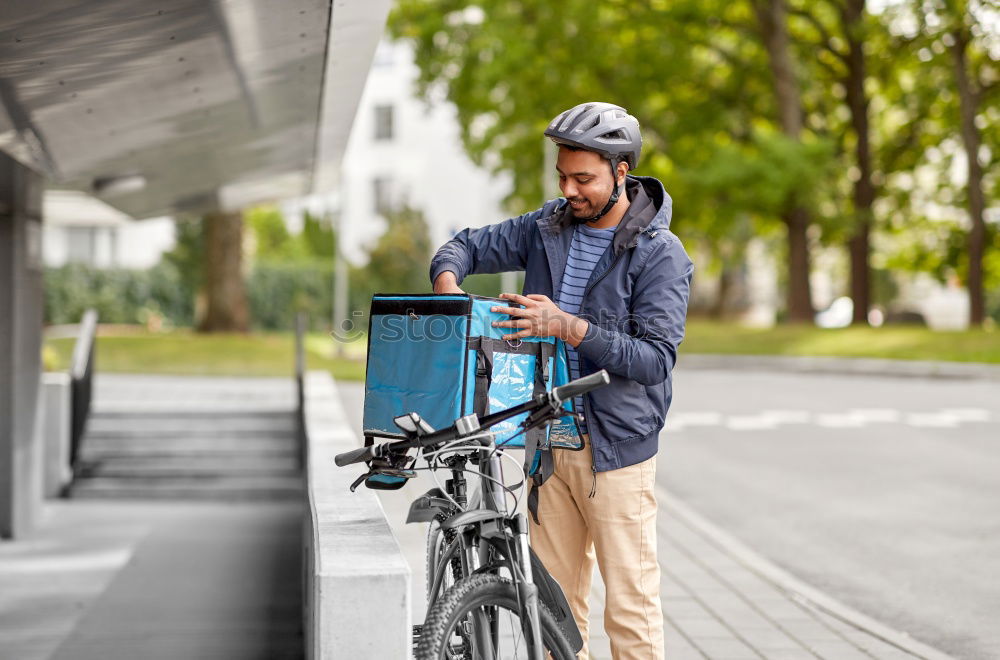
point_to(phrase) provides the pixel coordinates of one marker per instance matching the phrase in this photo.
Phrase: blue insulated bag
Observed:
(439, 356)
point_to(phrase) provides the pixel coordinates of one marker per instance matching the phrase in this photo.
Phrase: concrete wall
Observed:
(20, 344)
(357, 583)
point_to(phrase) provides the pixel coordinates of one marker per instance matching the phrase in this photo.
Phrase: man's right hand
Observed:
(446, 282)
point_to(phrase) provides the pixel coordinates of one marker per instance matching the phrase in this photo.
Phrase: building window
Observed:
(383, 122)
(382, 194)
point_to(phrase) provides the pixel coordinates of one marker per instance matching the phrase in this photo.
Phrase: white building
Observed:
(82, 229)
(404, 150)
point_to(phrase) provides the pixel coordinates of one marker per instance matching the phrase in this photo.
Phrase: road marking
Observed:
(887, 415)
(788, 416)
(969, 414)
(750, 423)
(840, 421)
(678, 421)
(932, 420)
(767, 420)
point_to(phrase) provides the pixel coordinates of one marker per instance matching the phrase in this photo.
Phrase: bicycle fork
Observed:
(527, 592)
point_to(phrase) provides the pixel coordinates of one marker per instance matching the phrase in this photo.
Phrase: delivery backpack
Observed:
(439, 355)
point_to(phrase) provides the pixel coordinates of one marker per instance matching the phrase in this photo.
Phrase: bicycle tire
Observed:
(471, 594)
(431, 556)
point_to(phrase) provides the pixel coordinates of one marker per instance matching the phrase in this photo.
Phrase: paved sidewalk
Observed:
(138, 578)
(721, 601)
(127, 580)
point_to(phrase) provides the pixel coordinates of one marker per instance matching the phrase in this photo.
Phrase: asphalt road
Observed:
(883, 492)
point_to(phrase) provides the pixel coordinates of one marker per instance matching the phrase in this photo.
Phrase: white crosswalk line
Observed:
(788, 416)
(969, 414)
(681, 420)
(839, 421)
(850, 419)
(932, 420)
(887, 415)
(750, 423)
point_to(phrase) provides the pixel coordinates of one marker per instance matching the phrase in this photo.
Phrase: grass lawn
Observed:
(185, 352)
(894, 342)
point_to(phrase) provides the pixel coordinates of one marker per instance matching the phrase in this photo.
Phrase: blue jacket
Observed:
(636, 303)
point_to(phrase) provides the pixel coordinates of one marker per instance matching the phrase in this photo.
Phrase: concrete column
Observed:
(20, 343)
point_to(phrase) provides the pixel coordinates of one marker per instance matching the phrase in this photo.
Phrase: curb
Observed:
(843, 366)
(796, 589)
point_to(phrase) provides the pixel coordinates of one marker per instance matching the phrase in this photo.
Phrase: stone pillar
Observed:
(20, 344)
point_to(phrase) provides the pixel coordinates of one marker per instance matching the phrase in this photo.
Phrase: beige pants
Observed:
(619, 523)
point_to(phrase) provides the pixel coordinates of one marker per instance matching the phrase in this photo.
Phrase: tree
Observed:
(954, 92)
(225, 291)
(187, 258)
(686, 69)
(772, 22)
(397, 263)
(971, 92)
(318, 236)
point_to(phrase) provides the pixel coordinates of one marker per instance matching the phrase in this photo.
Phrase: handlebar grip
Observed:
(353, 456)
(581, 385)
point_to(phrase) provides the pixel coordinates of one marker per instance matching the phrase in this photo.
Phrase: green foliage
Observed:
(119, 296)
(693, 72)
(398, 262)
(278, 290)
(697, 76)
(187, 258)
(269, 234)
(318, 237)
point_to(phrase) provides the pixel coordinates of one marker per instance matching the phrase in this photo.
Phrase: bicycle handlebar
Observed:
(581, 385)
(558, 396)
(353, 456)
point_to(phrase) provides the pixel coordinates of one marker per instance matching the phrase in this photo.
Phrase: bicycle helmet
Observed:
(605, 129)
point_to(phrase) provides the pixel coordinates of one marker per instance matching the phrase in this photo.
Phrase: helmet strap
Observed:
(615, 194)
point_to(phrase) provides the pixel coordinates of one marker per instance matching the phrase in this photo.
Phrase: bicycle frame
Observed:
(485, 536)
(483, 533)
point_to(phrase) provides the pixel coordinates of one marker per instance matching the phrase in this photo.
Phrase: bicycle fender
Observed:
(550, 593)
(428, 506)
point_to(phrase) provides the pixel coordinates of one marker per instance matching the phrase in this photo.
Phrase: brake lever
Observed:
(360, 480)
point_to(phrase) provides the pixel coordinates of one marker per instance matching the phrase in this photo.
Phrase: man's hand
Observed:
(446, 282)
(540, 317)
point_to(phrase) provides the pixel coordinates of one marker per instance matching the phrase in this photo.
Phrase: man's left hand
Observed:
(540, 317)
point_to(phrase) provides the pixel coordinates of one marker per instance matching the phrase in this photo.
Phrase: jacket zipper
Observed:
(586, 407)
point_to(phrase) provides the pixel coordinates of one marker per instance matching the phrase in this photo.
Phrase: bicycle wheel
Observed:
(478, 618)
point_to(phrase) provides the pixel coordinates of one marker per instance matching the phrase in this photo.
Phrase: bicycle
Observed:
(489, 596)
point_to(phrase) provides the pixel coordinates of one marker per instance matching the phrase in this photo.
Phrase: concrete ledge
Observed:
(357, 583)
(56, 429)
(845, 366)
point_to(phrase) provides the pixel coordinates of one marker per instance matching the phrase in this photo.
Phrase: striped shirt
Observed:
(585, 251)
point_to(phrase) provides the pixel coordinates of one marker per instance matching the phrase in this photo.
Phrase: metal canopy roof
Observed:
(189, 105)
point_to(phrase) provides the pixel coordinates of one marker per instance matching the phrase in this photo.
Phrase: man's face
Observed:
(585, 181)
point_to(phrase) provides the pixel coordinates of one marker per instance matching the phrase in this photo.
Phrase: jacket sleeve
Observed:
(495, 248)
(648, 351)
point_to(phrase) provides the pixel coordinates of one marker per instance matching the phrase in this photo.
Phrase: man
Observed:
(604, 273)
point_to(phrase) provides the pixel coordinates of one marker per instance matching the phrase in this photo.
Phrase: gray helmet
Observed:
(604, 128)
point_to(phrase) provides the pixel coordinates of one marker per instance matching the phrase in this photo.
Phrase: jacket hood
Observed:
(650, 209)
